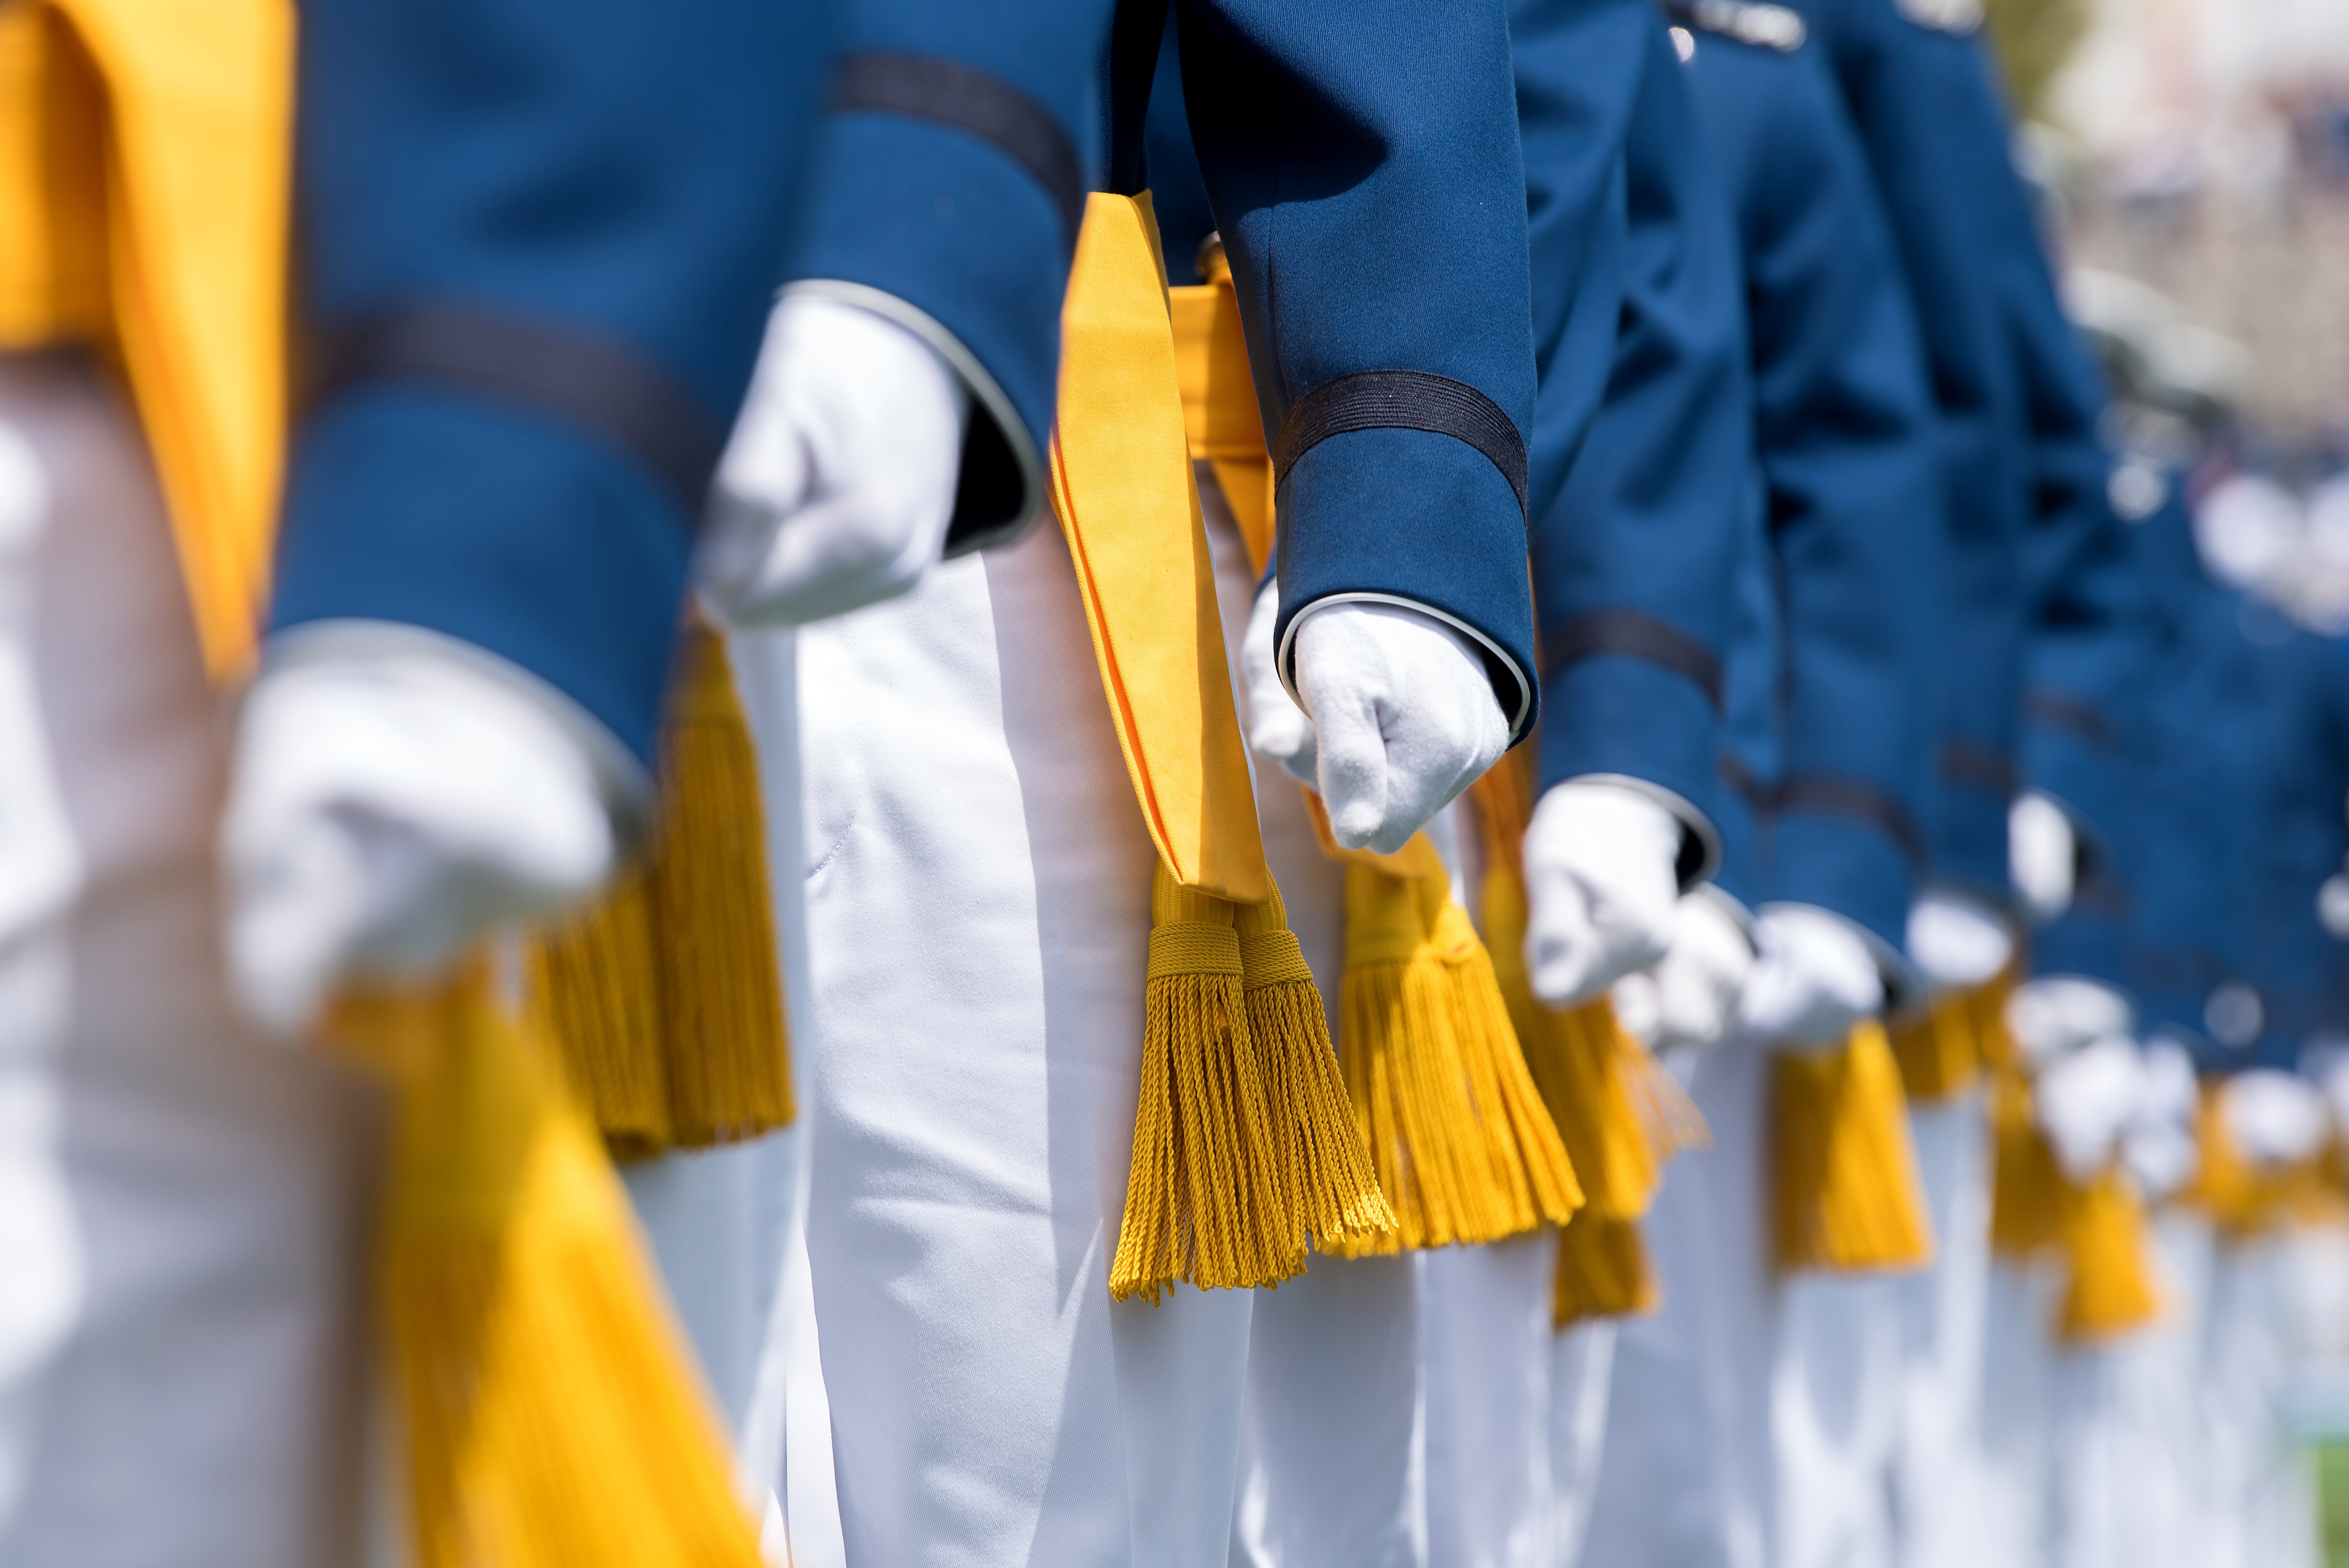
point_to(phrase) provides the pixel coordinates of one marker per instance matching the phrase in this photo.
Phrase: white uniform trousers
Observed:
(729, 1224)
(1486, 1344)
(2262, 1499)
(1685, 1475)
(978, 892)
(1937, 1462)
(1581, 1385)
(2015, 1519)
(181, 1203)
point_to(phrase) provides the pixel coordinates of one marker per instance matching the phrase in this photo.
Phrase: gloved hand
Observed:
(1690, 998)
(2058, 1014)
(2158, 1147)
(839, 482)
(1277, 727)
(2041, 855)
(2276, 1119)
(2084, 1102)
(1398, 714)
(1958, 940)
(1601, 887)
(1814, 977)
(388, 810)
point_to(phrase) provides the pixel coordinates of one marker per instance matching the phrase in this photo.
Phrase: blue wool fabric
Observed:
(1843, 429)
(1636, 560)
(615, 174)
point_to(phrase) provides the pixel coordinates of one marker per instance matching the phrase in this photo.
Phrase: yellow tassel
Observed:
(1844, 1191)
(1204, 1201)
(722, 1031)
(2026, 1190)
(550, 1413)
(663, 996)
(1942, 1054)
(1322, 1165)
(1462, 1144)
(2109, 1286)
(1602, 1271)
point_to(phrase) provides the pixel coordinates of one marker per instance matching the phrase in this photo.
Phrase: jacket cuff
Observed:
(621, 781)
(965, 240)
(1420, 519)
(1843, 862)
(998, 460)
(490, 523)
(1621, 715)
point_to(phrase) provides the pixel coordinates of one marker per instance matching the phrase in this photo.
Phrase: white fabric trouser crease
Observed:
(729, 1224)
(1685, 1475)
(180, 1202)
(1938, 1467)
(978, 892)
(1581, 1386)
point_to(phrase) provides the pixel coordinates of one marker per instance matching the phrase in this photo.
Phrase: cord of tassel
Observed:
(2109, 1286)
(665, 996)
(551, 1414)
(1944, 1051)
(1844, 1194)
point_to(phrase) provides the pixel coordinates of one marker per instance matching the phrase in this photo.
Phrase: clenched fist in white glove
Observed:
(1957, 940)
(2275, 1119)
(1601, 887)
(2042, 855)
(839, 482)
(2054, 1016)
(388, 808)
(2159, 1147)
(1690, 998)
(2086, 1101)
(1398, 714)
(1814, 977)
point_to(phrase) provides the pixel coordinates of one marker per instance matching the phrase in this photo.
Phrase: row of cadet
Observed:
(712, 838)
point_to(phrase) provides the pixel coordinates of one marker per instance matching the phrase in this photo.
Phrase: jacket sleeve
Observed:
(1634, 563)
(538, 238)
(1843, 429)
(1912, 90)
(958, 141)
(1362, 163)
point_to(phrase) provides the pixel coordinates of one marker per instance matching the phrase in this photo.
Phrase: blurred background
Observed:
(2194, 157)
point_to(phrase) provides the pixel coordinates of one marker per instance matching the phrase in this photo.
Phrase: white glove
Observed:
(2275, 1119)
(2041, 855)
(2333, 906)
(2086, 1101)
(838, 481)
(1404, 718)
(1277, 727)
(1601, 886)
(1814, 977)
(2058, 1015)
(389, 809)
(1958, 940)
(1690, 999)
(2159, 1147)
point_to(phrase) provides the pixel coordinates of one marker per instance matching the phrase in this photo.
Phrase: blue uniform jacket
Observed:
(1843, 429)
(1360, 163)
(539, 242)
(1914, 92)
(588, 208)
(1636, 560)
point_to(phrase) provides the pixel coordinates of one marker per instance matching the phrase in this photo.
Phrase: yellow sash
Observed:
(144, 178)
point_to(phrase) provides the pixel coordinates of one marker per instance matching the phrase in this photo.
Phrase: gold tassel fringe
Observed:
(551, 1414)
(2026, 1191)
(1845, 1191)
(1462, 1144)
(1323, 1166)
(2109, 1288)
(1944, 1053)
(1204, 1201)
(1602, 1271)
(664, 997)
